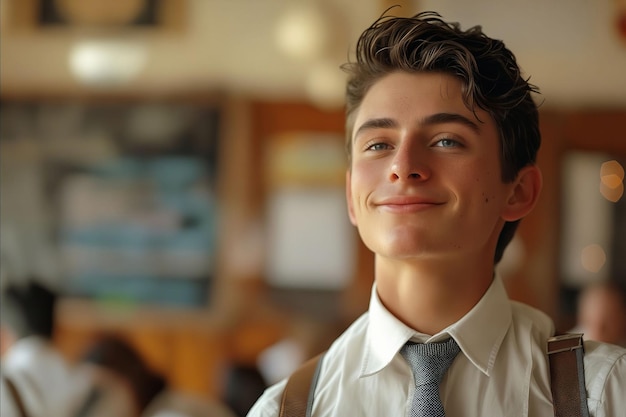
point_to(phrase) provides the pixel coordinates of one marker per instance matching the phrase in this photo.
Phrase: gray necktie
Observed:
(429, 362)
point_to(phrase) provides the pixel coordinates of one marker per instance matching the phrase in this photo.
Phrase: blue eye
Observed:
(380, 146)
(447, 143)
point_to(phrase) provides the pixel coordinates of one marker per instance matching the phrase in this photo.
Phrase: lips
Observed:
(406, 203)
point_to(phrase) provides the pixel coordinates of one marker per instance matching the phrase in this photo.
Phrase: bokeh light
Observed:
(612, 180)
(593, 257)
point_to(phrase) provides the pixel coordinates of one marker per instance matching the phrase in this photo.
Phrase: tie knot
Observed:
(430, 361)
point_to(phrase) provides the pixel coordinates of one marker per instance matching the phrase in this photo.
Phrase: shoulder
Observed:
(335, 361)
(605, 376)
(32, 363)
(532, 320)
(43, 378)
(38, 360)
(268, 405)
(603, 354)
(602, 363)
(31, 352)
(523, 311)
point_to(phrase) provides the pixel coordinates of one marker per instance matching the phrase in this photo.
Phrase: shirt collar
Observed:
(479, 333)
(385, 336)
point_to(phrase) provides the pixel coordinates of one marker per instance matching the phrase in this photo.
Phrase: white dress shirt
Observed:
(502, 369)
(43, 378)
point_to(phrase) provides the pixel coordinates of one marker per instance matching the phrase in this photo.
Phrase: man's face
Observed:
(603, 316)
(425, 178)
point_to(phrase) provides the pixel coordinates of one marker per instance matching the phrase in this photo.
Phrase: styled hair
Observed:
(491, 81)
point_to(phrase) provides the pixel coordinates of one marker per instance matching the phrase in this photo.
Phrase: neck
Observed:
(429, 297)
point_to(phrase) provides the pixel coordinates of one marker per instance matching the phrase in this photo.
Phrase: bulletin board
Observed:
(130, 194)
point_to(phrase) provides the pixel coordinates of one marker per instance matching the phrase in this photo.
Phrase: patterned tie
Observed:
(429, 362)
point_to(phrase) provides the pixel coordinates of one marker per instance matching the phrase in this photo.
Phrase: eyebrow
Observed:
(433, 119)
(440, 118)
(381, 123)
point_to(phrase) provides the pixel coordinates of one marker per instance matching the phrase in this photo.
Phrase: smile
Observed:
(406, 204)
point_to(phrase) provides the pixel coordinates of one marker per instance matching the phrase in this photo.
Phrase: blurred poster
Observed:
(311, 243)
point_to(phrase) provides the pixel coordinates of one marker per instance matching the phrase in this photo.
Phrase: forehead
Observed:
(412, 95)
(426, 91)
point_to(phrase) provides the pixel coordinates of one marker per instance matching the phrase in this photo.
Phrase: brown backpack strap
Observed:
(16, 397)
(297, 399)
(565, 353)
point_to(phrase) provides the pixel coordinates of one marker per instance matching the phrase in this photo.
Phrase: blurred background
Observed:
(175, 169)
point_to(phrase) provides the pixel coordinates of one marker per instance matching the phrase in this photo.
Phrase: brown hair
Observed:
(119, 356)
(491, 79)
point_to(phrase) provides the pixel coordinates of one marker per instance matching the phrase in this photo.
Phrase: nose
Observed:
(408, 164)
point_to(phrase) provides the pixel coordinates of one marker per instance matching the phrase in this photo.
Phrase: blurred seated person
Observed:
(125, 386)
(602, 313)
(36, 380)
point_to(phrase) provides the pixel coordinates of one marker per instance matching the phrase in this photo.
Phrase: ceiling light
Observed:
(107, 63)
(303, 32)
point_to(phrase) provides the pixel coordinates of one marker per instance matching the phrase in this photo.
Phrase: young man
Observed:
(442, 137)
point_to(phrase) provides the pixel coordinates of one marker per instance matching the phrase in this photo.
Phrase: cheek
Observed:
(362, 184)
(489, 188)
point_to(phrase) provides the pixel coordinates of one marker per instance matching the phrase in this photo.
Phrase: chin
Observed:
(395, 241)
(399, 249)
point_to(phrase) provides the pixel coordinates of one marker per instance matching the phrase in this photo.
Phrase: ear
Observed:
(349, 197)
(524, 193)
